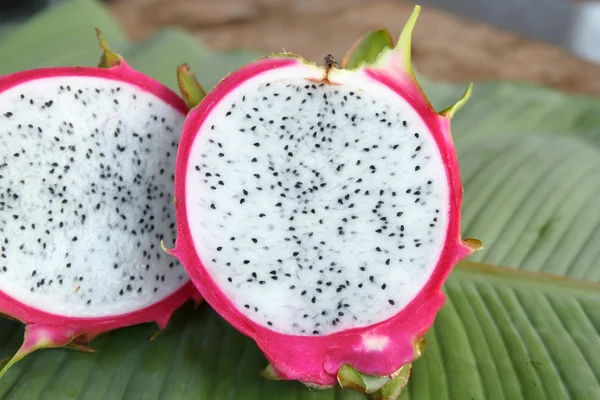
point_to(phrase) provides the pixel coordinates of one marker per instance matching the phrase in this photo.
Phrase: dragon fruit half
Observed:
(86, 171)
(318, 212)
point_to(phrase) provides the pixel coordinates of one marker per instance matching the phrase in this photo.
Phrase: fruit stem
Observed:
(108, 58)
(189, 86)
(450, 111)
(404, 41)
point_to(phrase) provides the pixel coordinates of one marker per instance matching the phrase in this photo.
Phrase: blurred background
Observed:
(555, 43)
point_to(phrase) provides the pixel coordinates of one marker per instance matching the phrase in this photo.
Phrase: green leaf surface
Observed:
(529, 159)
(503, 334)
(160, 55)
(6, 29)
(61, 36)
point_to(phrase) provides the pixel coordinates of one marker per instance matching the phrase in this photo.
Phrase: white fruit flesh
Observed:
(86, 173)
(316, 207)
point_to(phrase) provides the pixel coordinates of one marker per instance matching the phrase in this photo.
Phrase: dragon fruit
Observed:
(86, 169)
(318, 211)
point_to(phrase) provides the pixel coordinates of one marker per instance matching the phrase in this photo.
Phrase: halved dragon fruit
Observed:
(86, 171)
(318, 212)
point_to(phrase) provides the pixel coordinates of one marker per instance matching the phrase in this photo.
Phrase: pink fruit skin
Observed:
(90, 327)
(316, 360)
(58, 330)
(122, 73)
